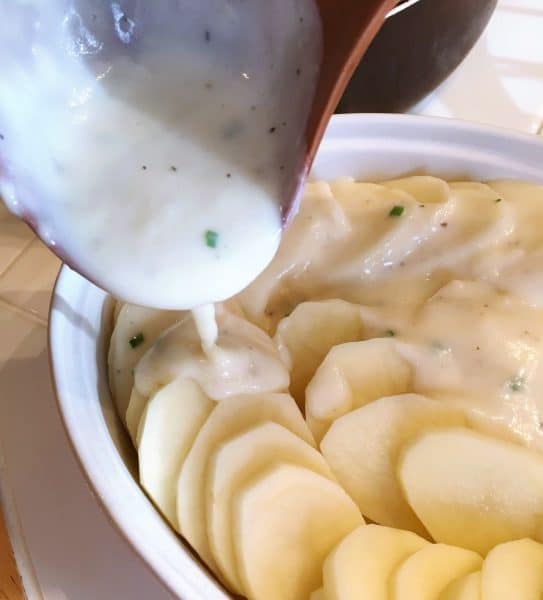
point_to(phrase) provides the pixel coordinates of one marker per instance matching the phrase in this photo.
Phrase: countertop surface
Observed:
(65, 547)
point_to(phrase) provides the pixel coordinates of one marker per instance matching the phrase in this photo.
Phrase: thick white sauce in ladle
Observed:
(152, 144)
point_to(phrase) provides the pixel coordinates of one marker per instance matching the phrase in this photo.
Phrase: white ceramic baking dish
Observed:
(364, 146)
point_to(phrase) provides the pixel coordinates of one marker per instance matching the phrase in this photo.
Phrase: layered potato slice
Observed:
(285, 521)
(172, 419)
(236, 461)
(465, 588)
(229, 418)
(309, 332)
(427, 573)
(362, 448)
(361, 565)
(353, 375)
(136, 329)
(471, 490)
(513, 570)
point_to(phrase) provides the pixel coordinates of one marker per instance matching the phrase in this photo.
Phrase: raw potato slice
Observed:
(513, 570)
(234, 463)
(308, 333)
(351, 376)
(117, 309)
(317, 595)
(471, 490)
(135, 410)
(360, 567)
(131, 321)
(362, 448)
(173, 417)
(228, 418)
(424, 188)
(465, 588)
(428, 572)
(284, 523)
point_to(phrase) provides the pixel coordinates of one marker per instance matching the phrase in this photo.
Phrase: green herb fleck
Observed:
(498, 200)
(396, 211)
(211, 238)
(516, 384)
(136, 340)
(390, 333)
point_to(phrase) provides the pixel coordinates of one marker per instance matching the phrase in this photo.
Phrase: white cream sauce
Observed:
(153, 143)
(243, 360)
(450, 272)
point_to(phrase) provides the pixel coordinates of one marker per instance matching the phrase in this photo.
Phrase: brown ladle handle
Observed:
(349, 27)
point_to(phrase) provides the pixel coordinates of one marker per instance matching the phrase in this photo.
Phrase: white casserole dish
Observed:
(364, 146)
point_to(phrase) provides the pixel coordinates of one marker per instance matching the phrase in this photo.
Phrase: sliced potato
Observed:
(227, 419)
(284, 523)
(513, 570)
(351, 376)
(362, 448)
(471, 490)
(465, 588)
(135, 410)
(428, 572)
(317, 595)
(360, 566)
(234, 463)
(308, 333)
(136, 329)
(425, 189)
(117, 309)
(173, 417)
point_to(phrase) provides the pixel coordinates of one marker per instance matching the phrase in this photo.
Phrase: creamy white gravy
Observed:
(242, 359)
(151, 143)
(449, 272)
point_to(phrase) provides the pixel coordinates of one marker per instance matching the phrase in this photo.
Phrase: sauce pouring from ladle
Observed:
(159, 149)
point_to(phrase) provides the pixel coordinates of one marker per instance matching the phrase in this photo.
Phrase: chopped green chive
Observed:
(390, 333)
(136, 340)
(516, 384)
(498, 200)
(396, 211)
(211, 238)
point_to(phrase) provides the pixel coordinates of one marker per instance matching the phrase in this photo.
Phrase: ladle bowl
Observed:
(98, 37)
